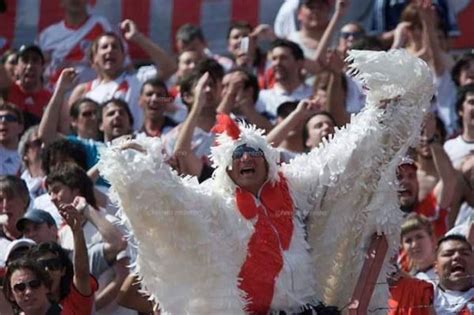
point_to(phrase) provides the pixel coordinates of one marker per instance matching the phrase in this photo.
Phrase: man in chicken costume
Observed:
(260, 237)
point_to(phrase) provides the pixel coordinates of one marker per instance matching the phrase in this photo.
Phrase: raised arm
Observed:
(303, 111)
(49, 126)
(313, 65)
(113, 239)
(445, 188)
(176, 222)
(163, 62)
(80, 257)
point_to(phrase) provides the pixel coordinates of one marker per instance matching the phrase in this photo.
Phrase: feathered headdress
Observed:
(230, 135)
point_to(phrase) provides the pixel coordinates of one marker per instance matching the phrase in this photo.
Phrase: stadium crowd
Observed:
(63, 249)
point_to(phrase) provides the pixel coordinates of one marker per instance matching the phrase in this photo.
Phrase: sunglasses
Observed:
(8, 118)
(241, 150)
(21, 286)
(52, 264)
(355, 35)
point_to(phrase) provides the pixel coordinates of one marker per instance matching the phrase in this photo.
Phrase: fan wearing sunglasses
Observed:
(27, 287)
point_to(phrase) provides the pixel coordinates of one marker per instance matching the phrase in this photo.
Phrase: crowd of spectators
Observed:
(62, 247)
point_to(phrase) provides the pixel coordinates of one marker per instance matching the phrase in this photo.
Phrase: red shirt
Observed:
(439, 217)
(77, 304)
(33, 103)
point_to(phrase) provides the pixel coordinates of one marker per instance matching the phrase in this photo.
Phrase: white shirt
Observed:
(69, 46)
(285, 21)
(200, 144)
(269, 100)
(451, 302)
(126, 87)
(457, 149)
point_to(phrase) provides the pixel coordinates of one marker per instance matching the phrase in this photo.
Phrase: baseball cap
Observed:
(36, 216)
(15, 245)
(30, 48)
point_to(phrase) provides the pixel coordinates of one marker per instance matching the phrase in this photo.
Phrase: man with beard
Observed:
(454, 294)
(287, 61)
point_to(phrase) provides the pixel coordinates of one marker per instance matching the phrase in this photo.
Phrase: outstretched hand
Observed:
(71, 215)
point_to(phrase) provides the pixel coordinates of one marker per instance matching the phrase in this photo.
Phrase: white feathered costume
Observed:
(211, 249)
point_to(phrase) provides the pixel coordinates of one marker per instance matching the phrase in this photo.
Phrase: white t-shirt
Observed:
(200, 144)
(285, 21)
(269, 100)
(68, 46)
(126, 87)
(448, 302)
(457, 148)
(10, 161)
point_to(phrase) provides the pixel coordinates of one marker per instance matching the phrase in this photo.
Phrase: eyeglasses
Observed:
(355, 35)
(8, 118)
(239, 152)
(21, 286)
(52, 264)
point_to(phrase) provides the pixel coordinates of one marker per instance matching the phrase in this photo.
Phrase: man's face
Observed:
(249, 169)
(13, 207)
(87, 121)
(109, 56)
(115, 122)
(61, 194)
(235, 37)
(154, 100)
(32, 297)
(10, 127)
(314, 16)
(467, 112)
(408, 192)
(318, 127)
(29, 70)
(419, 246)
(455, 265)
(40, 232)
(466, 75)
(186, 62)
(212, 92)
(285, 66)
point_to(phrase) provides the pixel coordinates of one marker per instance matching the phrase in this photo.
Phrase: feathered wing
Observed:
(190, 242)
(347, 186)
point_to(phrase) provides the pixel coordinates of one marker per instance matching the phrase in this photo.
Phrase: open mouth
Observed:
(247, 171)
(458, 269)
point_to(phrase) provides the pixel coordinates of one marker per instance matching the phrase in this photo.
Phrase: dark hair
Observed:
(54, 248)
(295, 49)
(305, 129)
(14, 186)
(28, 264)
(368, 43)
(62, 148)
(189, 32)
(76, 106)
(73, 177)
(120, 103)
(452, 237)
(95, 44)
(463, 91)
(240, 25)
(155, 82)
(459, 65)
(250, 82)
(187, 83)
(5, 106)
